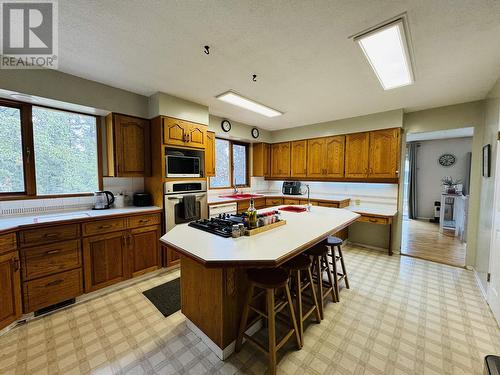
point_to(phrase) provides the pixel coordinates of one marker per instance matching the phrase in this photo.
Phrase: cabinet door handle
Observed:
(105, 226)
(50, 252)
(144, 221)
(15, 264)
(51, 235)
(372, 220)
(55, 282)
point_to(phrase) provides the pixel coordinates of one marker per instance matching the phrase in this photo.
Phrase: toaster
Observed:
(142, 199)
(291, 187)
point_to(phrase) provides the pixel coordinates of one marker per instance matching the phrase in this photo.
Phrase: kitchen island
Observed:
(213, 277)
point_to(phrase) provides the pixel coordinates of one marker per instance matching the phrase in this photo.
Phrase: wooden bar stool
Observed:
(319, 265)
(333, 243)
(299, 284)
(269, 280)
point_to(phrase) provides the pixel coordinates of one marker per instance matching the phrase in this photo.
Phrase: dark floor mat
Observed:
(166, 297)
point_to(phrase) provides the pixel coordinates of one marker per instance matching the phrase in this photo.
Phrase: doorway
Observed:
(436, 195)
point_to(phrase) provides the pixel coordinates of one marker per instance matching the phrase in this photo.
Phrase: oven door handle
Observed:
(177, 198)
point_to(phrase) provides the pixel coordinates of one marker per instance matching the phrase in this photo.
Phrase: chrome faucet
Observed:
(308, 197)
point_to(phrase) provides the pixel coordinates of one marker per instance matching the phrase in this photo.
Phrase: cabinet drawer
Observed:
(328, 204)
(103, 226)
(313, 203)
(8, 243)
(259, 203)
(50, 234)
(49, 259)
(143, 220)
(373, 220)
(291, 201)
(274, 201)
(52, 289)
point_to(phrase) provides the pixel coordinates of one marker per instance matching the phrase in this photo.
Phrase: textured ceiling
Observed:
(306, 65)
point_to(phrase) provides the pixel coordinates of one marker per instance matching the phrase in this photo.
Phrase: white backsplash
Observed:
(366, 193)
(127, 185)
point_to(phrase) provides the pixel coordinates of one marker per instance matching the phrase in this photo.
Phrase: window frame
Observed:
(28, 152)
(231, 165)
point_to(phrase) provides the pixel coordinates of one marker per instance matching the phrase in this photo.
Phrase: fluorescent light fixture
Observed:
(240, 101)
(386, 49)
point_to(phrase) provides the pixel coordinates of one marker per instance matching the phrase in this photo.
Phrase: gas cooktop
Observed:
(221, 226)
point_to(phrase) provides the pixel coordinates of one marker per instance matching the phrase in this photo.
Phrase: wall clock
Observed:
(447, 160)
(225, 125)
(255, 133)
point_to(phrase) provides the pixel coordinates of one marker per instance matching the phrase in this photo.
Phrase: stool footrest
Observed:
(261, 313)
(255, 343)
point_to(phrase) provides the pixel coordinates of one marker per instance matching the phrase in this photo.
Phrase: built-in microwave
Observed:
(183, 166)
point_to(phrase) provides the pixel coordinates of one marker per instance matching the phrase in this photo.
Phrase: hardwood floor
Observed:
(421, 239)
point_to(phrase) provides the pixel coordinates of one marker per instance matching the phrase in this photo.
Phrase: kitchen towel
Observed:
(189, 207)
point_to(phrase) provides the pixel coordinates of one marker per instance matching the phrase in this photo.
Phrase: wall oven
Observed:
(174, 193)
(183, 166)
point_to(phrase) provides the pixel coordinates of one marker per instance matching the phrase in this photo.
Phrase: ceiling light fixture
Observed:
(386, 49)
(240, 101)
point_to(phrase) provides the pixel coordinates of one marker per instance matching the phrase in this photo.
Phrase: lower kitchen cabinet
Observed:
(47, 291)
(144, 250)
(170, 257)
(10, 288)
(105, 260)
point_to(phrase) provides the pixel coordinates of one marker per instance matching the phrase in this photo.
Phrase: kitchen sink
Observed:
(241, 196)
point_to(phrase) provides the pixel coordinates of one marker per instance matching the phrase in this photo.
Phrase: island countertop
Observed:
(267, 249)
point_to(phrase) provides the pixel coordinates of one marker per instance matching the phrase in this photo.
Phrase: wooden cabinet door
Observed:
(210, 155)
(261, 160)
(170, 257)
(144, 250)
(10, 288)
(275, 160)
(316, 157)
(356, 155)
(384, 153)
(105, 260)
(280, 159)
(196, 136)
(334, 156)
(298, 155)
(132, 146)
(175, 132)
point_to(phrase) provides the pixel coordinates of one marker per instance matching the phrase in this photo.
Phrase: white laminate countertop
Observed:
(12, 222)
(374, 209)
(301, 231)
(213, 199)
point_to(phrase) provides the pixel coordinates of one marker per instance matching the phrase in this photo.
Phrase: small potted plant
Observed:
(450, 184)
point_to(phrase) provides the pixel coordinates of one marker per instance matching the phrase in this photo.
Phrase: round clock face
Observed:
(447, 160)
(225, 125)
(255, 133)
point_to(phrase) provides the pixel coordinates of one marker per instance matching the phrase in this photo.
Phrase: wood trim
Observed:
(28, 152)
(231, 166)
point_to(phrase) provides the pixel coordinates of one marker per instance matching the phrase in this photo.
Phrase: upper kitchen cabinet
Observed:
(356, 155)
(280, 159)
(261, 159)
(183, 133)
(127, 145)
(325, 157)
(298, 159)
(384, 153)
(334, 156)
(210, 155)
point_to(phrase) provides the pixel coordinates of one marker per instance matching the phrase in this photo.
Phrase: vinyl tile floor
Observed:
(402, 315)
